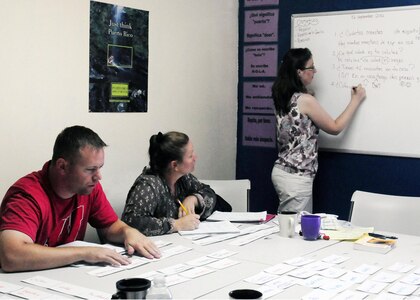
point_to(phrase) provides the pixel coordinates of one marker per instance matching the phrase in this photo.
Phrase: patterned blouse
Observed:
(297, 141)
(152, 209)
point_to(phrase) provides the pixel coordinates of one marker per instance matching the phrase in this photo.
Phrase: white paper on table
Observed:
(196, 272)
(354, 277)
(195, 237)
(388, 296)
(282, 282)
(66, 288)
(402, 289)
(319, 265)
(370, 286)
(401, 267)
(299, 261)
(41, 281)
(238, 216)
(201, 261)
(302, 273)
(335, 259)
(107, 270)
(351, 295)
(31, 293)
(279, 269)
(318, 294)
(223, 263)
(335, 285)
(175, 279)
(6, 287)
(212, 227)
(332, 272)
(148, 275)
(261, 278)
(246, 239)
(313, 282)
(70, 289)
(104, 271)
(81, 292)
(269, 291)
(136, 262)
(178, 268)
(352, 233)
(118, 249)
(387, 277)
(255, 228)
(161, 243)
(367, 269)
(174, 251)
(222, 253)
(215, 238)
(411, 279)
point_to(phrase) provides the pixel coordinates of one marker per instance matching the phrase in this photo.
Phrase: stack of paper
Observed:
(372, 244)
(212, 227)
(238, 216)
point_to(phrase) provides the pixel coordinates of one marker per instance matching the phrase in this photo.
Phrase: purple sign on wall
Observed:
(260, 60)
(259, 131)
(261, 25)
(257, 97)
(260, 2)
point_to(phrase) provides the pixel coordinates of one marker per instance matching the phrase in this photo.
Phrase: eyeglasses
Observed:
(312, 68)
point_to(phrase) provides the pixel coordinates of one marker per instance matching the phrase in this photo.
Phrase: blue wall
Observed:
(339, 174)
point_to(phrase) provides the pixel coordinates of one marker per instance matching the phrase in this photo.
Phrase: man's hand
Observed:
(135, 241)
(104, 255)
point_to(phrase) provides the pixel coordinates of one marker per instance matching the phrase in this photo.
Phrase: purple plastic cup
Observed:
(310, 225)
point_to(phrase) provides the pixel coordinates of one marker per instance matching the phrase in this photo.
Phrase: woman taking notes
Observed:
(299, 116)
(166, 197)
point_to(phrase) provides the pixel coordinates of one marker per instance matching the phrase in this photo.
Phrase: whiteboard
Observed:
(379, 48)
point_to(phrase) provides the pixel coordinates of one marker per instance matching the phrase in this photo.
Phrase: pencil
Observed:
(183, 207)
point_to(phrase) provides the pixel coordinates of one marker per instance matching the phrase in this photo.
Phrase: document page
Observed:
(238, 216)
(212, 227)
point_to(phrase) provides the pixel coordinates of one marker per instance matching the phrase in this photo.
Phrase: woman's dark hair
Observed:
(288, 82)
(165, 148)
(72, 139)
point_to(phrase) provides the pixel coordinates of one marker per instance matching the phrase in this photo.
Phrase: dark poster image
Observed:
(119, 54)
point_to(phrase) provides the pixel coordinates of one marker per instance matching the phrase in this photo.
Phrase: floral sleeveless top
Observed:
(297, 141)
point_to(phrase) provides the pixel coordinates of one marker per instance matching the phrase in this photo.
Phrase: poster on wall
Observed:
(118, 58)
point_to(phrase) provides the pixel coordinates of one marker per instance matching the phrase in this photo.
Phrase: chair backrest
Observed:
(91, 235)
(391, 213)
(118, 194)
(235, 191)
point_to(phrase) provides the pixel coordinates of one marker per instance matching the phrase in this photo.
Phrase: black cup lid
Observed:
(133, 284)
(245, 294)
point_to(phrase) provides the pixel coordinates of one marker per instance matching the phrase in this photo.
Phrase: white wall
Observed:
(193, 65)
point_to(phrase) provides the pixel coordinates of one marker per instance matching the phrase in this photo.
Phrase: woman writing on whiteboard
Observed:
(299, 116)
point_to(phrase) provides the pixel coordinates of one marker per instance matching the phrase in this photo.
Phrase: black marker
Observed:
(380, 236)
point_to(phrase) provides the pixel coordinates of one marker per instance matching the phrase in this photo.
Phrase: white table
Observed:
(407, 251)
(253, 258)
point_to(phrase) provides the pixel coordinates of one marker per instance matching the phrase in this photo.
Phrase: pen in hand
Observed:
(183, 207)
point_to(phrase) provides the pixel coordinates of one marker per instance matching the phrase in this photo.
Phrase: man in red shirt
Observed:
(52, 207)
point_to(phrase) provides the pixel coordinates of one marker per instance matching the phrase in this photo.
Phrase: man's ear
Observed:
(62, 165)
